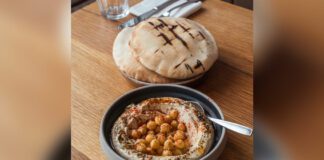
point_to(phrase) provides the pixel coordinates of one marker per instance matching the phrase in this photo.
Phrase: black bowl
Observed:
(177, 91)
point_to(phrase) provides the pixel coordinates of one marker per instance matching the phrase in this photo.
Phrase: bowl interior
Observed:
(137, 95)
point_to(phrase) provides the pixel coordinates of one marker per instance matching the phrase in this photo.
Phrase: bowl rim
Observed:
(103, 137)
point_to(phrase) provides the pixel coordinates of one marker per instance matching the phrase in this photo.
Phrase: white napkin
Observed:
(147, 5)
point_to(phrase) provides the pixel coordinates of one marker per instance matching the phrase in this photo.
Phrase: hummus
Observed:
(199, 131)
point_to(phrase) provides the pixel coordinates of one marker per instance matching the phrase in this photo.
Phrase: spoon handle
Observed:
(182, 5)
(233, 126)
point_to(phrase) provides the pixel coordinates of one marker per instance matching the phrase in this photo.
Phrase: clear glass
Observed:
(113, 9)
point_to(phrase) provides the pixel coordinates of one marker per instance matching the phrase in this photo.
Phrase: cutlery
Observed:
(229, 125)
(168, 13)
(145, 15)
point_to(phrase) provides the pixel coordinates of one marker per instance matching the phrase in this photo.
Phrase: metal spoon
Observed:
(168, 12)
(229, 125)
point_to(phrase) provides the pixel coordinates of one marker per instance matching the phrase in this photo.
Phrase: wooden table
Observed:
(96, 81)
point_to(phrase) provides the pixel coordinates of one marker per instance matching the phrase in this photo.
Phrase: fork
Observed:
(168, 12)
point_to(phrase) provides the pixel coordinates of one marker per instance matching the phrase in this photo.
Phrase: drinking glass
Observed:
(113, 9)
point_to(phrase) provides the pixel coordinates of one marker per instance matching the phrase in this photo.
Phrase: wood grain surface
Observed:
(96, 81)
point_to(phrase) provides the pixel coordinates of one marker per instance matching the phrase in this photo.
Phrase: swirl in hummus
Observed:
(173, 129)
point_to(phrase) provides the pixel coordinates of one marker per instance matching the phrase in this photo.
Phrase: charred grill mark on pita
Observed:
(202, 35)
(157, 27)
(199, 64)
(176, 66)
(189, 68)
(167, 40)
(191, 35)
(156, 50)
(162, 52)
(162, 22)
(186, 30)
(152, 24)
(160, 26)
(177, 36)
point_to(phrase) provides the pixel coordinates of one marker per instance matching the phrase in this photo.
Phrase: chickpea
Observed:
(167, 119)
(174, 114)
(151, 125)
(155, 144)
(165, 128)
(142, 141)
(168, 144)
(142, 129)
(149, 137)
(182, 126)
(179, 135)
(166, 153)
(174, 124)
(161, 137)
(150, 132)
(141, 147)
(177, 152)
(179, 144)
(135, 134)
(159, 119)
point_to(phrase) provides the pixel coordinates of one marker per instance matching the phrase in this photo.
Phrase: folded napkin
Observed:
(147, 5)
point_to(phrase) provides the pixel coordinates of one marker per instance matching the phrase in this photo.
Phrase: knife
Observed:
(145, 15)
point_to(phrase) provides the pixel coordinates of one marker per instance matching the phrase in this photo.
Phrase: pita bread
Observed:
(129, 65)
(173, 47)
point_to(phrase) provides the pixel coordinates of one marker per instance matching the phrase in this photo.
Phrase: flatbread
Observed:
(173, 47)
(129, 65)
